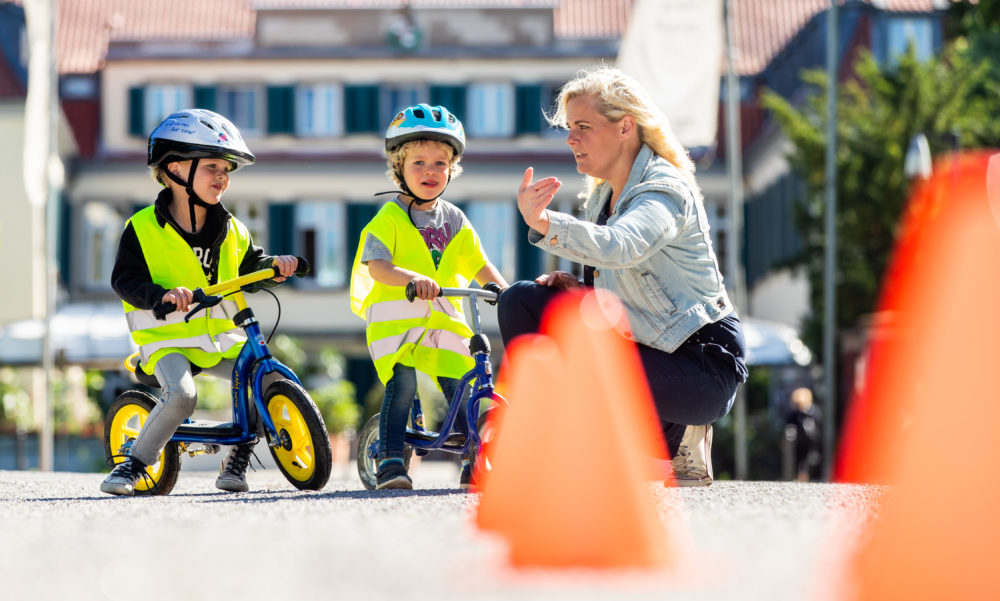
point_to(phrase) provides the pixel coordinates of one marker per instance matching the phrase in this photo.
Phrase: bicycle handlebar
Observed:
(211, 296)
(487, 295)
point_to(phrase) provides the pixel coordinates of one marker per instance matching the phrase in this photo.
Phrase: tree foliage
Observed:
(949, 98)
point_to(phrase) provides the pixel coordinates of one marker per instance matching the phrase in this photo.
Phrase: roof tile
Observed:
(85, 27)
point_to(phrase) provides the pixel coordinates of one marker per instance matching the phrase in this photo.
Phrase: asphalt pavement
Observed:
(64, 539)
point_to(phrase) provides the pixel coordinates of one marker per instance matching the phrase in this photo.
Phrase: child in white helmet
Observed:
(185, 240)
(421, 238)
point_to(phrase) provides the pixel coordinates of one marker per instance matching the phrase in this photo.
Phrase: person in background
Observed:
(802, 430)
(645, 238)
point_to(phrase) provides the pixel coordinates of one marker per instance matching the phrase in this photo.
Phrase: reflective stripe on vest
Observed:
(208, 337)
(431, 336)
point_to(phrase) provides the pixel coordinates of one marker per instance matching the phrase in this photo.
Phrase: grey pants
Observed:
(178, 398)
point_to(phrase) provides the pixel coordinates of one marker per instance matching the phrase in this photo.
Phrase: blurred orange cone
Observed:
(567, 487)
(928, 424)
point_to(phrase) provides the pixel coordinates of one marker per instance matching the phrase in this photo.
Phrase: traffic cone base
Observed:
(568, 486)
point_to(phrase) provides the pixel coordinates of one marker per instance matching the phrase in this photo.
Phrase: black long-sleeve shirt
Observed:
(131, 279)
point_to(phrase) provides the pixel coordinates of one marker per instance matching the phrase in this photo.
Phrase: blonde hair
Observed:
(395, 159)
(619, 95)
(157, 172)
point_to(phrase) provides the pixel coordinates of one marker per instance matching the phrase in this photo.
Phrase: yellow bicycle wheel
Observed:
(304, 454)
(122, 424)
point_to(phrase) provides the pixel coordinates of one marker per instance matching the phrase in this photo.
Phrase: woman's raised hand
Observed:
(533, 197)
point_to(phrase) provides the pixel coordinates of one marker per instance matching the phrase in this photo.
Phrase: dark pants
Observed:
(691, 386)
(400, 391)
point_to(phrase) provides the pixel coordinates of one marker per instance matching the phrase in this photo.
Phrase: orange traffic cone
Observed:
(930, 415)
(567, 486)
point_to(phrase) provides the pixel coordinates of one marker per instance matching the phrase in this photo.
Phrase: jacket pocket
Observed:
(654, 294)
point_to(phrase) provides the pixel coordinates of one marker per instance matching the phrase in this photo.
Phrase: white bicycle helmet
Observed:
(197, 133)
(425, 122)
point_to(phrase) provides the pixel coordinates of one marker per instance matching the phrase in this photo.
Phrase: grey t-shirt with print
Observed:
(438, 226)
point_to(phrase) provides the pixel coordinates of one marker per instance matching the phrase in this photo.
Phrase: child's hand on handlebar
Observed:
(286, 264)
(180, 297)
(427, 289)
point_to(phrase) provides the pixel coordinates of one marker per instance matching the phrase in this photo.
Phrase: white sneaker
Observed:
(692, 465)
(233, 475)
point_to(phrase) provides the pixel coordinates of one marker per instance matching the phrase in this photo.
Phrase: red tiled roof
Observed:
(394, 4)
(85, 27)
(764, 27)
(583, 19)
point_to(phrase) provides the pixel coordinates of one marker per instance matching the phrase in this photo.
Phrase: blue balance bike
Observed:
(451, 438)
(294, 428)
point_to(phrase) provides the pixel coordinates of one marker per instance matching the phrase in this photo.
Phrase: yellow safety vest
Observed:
(209, 336)
(431, 336)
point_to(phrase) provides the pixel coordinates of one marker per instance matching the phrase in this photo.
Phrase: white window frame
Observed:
(102, 225)
(243, 104)
(162, 99)
(900, 31)
(494, 222)
(328, 222)
(252, 214)
(491, 108)
(394, 97)
(319, 110)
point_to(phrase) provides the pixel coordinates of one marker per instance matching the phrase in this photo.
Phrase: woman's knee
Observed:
(516, 295)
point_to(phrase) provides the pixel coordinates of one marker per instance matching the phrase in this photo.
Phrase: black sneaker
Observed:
(393, 475)
(122, 479)
(233, 477)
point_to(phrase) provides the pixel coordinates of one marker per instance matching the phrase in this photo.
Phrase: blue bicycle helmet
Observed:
(425, 122)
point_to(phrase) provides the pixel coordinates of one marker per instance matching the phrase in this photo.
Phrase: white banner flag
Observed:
(674, 49)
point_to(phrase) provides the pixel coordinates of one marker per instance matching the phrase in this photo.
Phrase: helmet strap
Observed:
(416, 199)
(193, 198)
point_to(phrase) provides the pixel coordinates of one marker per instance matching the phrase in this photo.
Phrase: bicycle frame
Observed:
(252, 364)
(480, 376)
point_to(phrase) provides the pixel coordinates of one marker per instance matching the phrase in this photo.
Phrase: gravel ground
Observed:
(733, 540)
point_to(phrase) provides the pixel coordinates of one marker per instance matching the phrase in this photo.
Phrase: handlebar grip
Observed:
(411, 291)
(303, 268)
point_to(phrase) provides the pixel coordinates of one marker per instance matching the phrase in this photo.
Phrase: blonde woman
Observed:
(645, 238)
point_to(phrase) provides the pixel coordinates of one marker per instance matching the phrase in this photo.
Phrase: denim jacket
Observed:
(655, 253)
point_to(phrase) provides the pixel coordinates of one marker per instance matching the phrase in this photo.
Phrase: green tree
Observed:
(879, 111)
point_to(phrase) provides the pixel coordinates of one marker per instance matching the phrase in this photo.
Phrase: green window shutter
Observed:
(358, 216)
(63, 243)
(280, 109)
(450, 97)
(136, 118)
(281, 229)
(361, 110)
(529, 257)
(205, 97)
(529, 109)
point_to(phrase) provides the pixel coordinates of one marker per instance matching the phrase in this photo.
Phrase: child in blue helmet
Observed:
(421, 238)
